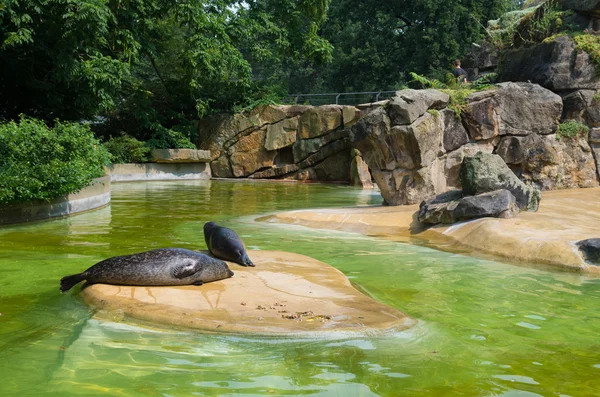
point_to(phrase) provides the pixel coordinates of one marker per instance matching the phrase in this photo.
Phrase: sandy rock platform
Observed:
(545, 237)
(285, 293)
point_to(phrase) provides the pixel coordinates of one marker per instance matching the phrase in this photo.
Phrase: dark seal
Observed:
(165, 266)
(590, 249)
(225, 244)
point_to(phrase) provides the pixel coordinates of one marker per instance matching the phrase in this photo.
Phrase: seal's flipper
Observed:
(68, 282)
(246, 260)
(187, 270)
(198, 283)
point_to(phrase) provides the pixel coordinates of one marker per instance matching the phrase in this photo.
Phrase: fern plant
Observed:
(427, 83)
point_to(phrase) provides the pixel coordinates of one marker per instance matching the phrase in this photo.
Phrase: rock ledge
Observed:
(285, 293)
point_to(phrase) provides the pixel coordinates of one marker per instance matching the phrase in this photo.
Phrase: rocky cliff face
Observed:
(295, 142)
(415, 144)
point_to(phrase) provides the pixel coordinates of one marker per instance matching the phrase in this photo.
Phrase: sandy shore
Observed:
(285, 293)
(545, 237)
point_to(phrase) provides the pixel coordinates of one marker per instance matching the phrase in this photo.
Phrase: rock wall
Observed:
(414, 145)
(292, 142)
(555, 65)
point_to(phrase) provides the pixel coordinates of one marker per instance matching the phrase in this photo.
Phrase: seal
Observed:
(225, 244)
(165, 266)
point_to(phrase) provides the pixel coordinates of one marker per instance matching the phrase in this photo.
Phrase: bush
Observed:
(570, 129)
(166, 138)
(126, 149)
(37, 162)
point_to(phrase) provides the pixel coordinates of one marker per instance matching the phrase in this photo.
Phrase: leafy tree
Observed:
(377, 42)
(150, 66)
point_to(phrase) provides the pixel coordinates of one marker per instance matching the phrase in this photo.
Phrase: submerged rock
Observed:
(486, 172)
(590, 249)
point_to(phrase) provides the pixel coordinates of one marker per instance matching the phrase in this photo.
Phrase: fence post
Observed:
(336, 98)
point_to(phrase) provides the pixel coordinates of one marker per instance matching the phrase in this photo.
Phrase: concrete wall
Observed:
(159, 172)
(94, 196)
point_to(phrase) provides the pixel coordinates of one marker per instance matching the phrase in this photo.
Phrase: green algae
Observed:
(485, 328)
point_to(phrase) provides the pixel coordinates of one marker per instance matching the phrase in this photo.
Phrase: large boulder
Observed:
(219, 132)
(455, 134)
(440, 208)
(451, 207)
(582, 106)
(401, 187)
(486, 172)
(480, 115)
(405, 159)
(555, 65)
(248, 155)
(303, 148)
(281, 134)
(408, 105)
(498, 204)
(575, 104)
(319, 121)
(407, 146)
(454, 159)
(550, 162)
(370, 135)
(221, 168)
(512, 109)
(584, 7)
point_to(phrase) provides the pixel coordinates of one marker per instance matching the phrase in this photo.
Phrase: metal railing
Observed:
(339, 98)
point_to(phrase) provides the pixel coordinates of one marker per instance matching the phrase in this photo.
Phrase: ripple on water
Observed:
(527, 325)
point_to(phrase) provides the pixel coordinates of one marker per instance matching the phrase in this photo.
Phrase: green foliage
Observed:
(458, 92)
(570, 129)
(484, 82)
(596, 98)
(435, 113)
(149, 67)
(125, 149)
(589, 43)
(458, 99)
(547, 22)
(38, 162)
(501, 32)
(424, 82)
(376, 42)
(164, 138)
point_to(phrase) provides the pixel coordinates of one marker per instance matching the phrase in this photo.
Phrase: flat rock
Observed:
(180, 156)
(285, 293)
(547, 237)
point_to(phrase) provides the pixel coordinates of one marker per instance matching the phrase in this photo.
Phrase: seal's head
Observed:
(215, 270)
(208, 228)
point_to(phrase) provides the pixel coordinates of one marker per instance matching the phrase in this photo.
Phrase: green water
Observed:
(485, 328)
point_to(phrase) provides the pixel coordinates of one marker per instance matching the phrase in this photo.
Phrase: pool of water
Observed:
(485, 328)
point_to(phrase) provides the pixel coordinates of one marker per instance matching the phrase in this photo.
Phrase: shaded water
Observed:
(485, 328)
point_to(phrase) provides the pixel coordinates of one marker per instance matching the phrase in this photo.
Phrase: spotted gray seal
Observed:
(165, 266)
(225, 244)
